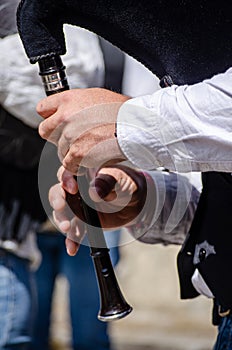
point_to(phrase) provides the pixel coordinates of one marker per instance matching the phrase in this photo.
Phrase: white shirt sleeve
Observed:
(169, 209)
(182, 128)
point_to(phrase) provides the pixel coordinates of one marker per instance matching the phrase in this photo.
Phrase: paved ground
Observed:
(159, 321)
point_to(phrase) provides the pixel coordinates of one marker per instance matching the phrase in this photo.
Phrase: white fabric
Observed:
(20, 83)
(171, 220)
(176, 199)
(27, 249)
(137, 79)
(200, 285)
(182, 128)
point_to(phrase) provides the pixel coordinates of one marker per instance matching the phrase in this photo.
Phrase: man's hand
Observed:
(119, 193)
(81, 122)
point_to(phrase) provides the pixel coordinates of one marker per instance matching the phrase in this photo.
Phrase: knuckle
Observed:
(65, 96)
(76, 152)
(68, 135)
(61, 118)
(39, 108)
(41, 130)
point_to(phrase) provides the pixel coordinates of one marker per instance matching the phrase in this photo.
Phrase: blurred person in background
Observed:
(91, 324)
(21, 211)
(21, 88)
(185, 126)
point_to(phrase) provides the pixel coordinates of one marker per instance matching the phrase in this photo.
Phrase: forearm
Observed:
(185, 128)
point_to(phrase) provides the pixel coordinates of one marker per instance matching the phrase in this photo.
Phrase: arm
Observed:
(185, 128)
(156, 207)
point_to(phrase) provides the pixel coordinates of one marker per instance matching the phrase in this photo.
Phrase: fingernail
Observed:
(71, 248)
(71, 186)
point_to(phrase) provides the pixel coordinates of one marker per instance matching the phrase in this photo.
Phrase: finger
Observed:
(61, 221)
(101, 187)
(72, 159)
(71, 247)
(74, 238)
(67, 180)
(48, 106)
(77, 230)
(77, 159)
(60, 173)
(124, 180)
(128, 185)
(69, 219)
(51, 128)
(56, 196)
(62, 147)
(62, 215)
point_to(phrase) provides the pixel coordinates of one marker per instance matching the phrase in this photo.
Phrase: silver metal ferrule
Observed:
(54, 81)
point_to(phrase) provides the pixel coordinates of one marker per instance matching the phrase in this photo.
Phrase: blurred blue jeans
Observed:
(17, 291)
(88, 333)
(224, 338)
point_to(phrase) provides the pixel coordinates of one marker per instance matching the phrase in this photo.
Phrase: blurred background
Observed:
(160, 320)
(147, 274)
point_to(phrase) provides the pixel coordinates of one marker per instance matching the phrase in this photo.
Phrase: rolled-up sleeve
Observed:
(182, 128)
(168, 211)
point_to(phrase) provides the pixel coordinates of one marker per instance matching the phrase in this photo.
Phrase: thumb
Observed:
(101, 186)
